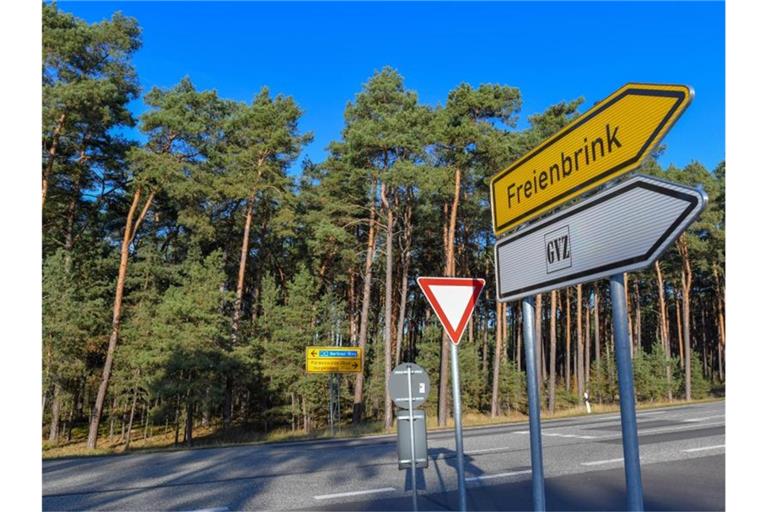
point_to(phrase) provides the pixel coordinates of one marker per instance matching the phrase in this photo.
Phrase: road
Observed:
(682, 452)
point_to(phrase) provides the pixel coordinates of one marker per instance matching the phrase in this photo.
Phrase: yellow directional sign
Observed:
(610, 139)
(334, 359)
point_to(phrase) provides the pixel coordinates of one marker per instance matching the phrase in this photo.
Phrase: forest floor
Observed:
(162, 439)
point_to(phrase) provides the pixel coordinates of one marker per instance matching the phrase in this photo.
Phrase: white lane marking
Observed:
(664, 429)
(673, 429)
(472, 452)
(576, 436)
(217, 509)
(704, 448)
(498, 475)
(353, 493)
(693, 420)
(651, 413)
(487, 450)
(555, 434)
(598, 462)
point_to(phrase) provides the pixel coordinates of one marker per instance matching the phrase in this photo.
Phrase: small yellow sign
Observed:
(334, 359)
(610, 139)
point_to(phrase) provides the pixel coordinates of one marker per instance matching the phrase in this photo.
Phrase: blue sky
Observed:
(322, 53)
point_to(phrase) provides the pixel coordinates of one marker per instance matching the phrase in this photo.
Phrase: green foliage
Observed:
(700, 387)
(188, 331)
(650, 371)
(603, 385)
(512, 389)
(470, 373)
(428, 357)
(208, 160)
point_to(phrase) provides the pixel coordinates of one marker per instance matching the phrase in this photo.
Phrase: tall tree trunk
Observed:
(720, 327)
(630, 328)
(539, 341)
(357, 407)
(450, 271)
(680, 351)
(484, 352)
(147, 411)
(497, 361)
(176, 422)
(190, 415)
(519, 335)
(686, 277)
(52, 156)
(53, 432)
(638, 316)
(244, 248)
(664, 326)
(568, 339)
(131, 228)
(597, 335)
(405, 261)
(587, 345)
(237, 310)
(552, 349)
(352, 306)
(130, 418)
(387, 307)
(579, 345)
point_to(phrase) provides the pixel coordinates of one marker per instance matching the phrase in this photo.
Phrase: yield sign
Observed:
(452, 299)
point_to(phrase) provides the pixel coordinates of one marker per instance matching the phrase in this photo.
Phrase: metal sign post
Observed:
(457, 423)
(626, 395)
(409, 387)
(534, 420)
(453, 299)
(413, 440)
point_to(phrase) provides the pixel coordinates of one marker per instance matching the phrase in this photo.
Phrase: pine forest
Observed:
(185, 271)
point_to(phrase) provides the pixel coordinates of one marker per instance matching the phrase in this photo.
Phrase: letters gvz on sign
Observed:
(610, 139)
(622, 229)
(334, 360)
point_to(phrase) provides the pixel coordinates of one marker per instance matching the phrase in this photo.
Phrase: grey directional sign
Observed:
(622, 229)
(398, 385)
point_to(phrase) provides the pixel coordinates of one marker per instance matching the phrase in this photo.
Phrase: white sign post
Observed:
(453, 299)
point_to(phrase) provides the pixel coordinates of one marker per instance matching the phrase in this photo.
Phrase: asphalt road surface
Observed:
(682, 453)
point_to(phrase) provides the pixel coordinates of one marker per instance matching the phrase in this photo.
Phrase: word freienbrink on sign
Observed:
(334, 359)
(622, 229)
(610, 139)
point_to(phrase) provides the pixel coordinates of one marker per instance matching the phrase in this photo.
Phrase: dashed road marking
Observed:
(598, 462)
(498, 475)
(689, 450)
(695, 420)
(353, 493)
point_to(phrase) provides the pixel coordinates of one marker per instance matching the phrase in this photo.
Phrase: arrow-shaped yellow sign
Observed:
(610, 139)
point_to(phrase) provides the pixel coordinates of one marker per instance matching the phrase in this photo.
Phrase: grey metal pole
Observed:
(413, 442)
(626, 395)
(457, 422)
(330, 400)
(534, 419)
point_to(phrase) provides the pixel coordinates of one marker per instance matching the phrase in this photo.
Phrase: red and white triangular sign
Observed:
(452, 299)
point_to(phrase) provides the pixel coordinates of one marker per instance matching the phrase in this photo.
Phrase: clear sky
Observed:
(322, 53)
